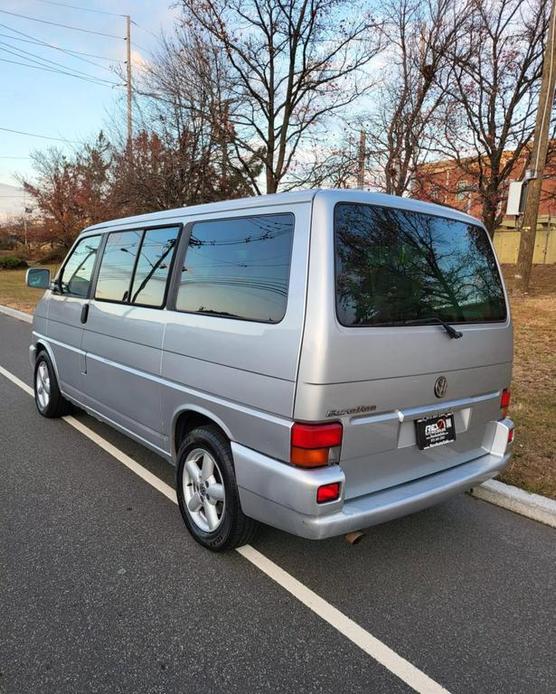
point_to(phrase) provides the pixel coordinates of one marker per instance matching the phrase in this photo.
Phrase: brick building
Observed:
(446, 183)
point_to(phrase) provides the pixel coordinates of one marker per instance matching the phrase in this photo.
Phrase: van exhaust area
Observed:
(355, 537)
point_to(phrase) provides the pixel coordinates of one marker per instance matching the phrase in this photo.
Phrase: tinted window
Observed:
(76, 274)
(116, 265)
(153, 266)
(238, 268)
(394, 266)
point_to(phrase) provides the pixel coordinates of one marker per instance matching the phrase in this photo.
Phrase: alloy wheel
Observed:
(203, 490)
(42, 385)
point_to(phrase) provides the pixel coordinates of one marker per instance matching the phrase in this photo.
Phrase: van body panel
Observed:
(122, 346)
(216, 355)
(211, 210)
(265, 492)
(317, 402)
(65, 330)
(383, 372)
(229, 341)
(403, 352)
(373, 509)
(232, 386)
(141, 369)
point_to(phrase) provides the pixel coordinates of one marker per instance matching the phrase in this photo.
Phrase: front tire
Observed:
(207, 491)
(48, 399)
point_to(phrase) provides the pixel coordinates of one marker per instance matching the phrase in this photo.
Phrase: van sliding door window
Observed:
(116, 267)
(75, 277)
(397, 266)
(238, 268)
(153, 266)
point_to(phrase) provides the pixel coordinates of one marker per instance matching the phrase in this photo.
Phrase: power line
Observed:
(79, 7)
(52, 62)
(147, 31)
(72, 54)
(138, 45)
(68, 52)
(64, 26)
(36, 58)
(43, 137)
(104, 83)
(40, 42)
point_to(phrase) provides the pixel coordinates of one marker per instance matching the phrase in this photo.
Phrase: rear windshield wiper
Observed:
(452, 332)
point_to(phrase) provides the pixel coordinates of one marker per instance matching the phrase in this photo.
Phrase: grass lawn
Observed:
(533, 408)
(14, 293)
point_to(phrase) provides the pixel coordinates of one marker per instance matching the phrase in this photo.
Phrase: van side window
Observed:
(116, 268)
(75, 277)
(238, 268)
(153, 266)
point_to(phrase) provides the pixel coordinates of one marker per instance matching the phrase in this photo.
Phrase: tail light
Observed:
(328, 492)
(505, 402)
(511, 435)
(316, 445)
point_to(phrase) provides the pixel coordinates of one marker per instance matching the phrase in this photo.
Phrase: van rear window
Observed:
(396, 266)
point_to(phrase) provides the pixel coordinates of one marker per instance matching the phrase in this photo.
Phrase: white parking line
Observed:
(18, 382)
(398, 666)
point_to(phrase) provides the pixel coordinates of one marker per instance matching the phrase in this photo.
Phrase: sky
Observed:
(57, 105)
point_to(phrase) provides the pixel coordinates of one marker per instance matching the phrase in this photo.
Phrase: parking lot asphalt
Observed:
(102, 589)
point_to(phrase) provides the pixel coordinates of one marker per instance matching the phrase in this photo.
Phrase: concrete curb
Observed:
(14, 313)
(539, 508)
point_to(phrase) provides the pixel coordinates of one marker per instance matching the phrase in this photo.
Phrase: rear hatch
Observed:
(413, 397)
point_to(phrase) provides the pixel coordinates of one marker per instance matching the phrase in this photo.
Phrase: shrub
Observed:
(56, 255)
(12, 262)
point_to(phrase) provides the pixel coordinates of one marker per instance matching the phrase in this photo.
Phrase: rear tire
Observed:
(207, 491)
(48, 399)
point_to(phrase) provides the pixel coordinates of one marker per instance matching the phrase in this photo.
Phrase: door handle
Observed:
(84, 313)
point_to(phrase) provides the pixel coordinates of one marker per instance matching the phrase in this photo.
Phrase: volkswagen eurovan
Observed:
(318, 361)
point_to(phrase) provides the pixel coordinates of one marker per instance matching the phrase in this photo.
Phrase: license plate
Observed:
(435, 431)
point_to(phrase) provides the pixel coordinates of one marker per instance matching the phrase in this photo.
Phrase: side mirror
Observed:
(37, 278)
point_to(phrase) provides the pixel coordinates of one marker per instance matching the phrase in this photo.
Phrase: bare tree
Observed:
(495, 79)
(404, 121)
(187, 135)
(168, 173)
(291, 63)
(420, 37)
(335, 160)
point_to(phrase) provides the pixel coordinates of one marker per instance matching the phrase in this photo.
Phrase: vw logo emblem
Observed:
(441, 386)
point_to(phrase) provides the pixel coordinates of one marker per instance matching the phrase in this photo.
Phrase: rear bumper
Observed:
(285, 497)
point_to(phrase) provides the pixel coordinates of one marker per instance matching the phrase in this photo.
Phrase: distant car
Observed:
(320, 361)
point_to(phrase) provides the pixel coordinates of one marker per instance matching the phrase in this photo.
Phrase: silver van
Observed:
(320, 361)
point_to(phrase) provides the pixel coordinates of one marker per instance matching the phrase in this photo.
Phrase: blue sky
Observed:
(56, 105)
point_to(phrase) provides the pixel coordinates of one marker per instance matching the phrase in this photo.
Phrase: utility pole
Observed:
(224, 128)
(361, 160)
(128, 66)
(25, 213)
(538, 159)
